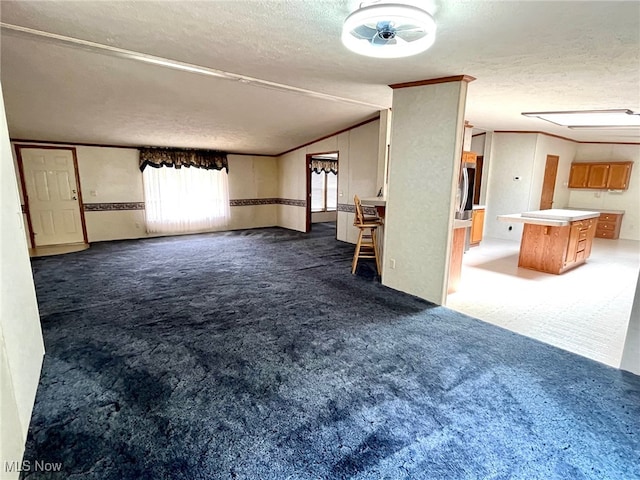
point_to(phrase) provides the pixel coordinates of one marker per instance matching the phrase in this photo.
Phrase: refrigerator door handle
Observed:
(465, 189)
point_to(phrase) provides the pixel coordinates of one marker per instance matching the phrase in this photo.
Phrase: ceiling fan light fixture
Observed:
(389, 31)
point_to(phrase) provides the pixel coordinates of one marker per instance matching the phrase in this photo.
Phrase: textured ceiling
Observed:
(526, 56)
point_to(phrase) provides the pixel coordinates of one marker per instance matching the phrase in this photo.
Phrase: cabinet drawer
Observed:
(584, 223)
(605, 234)
(580, 255)
(609, 217)
(607, 226)
(581, 245)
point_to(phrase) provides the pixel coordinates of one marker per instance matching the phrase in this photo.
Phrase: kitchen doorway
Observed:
(322, 190)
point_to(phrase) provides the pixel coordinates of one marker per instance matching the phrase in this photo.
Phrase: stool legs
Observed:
(366, 247)
(374, 240)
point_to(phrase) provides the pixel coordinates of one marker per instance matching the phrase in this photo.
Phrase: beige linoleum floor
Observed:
(585, 310)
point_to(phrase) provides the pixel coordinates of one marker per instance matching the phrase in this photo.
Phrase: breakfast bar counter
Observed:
(380, 204)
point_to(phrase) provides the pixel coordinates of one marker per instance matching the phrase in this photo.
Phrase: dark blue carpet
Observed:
(257, 355)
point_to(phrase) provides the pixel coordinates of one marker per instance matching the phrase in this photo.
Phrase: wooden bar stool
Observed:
(367, 246)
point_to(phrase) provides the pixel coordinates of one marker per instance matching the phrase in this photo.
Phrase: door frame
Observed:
(23, 186)
(308, 181)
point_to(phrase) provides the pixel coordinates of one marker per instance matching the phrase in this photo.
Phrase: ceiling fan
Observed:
(389, 30)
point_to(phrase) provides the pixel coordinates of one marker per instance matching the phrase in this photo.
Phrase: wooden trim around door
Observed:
(308, 168)
(25, 197)
(23, 185)
(307, 227)
(80, 202)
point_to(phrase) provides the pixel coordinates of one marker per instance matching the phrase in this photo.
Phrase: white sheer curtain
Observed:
(182, 200)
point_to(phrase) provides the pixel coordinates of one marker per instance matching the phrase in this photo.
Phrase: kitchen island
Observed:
(554, 240)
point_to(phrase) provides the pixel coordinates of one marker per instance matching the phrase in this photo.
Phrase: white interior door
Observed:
(54, 208)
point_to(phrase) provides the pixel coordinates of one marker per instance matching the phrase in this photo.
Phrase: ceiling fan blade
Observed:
(411, 36)
(409, 28)
(379, 41)
(364, 31)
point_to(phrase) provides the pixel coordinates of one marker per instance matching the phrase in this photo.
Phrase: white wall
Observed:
(523, 155)
(477, 143)
(21, 344)
(253, 177)
(566, 151)
(112, 175)
(357, 174)
(384, 140)
(512, 155)
(426, 149)
(631, 353)
(293, 186)
(627, 200)
(361, 173)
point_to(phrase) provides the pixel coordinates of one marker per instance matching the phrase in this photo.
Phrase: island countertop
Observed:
(553, 217)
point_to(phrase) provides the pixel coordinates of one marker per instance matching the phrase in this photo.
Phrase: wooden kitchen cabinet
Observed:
(600, 175)
(477, 226)
(580, 241)
(469, 157)
(579, 175)
(619, 175)
(455, 262)
(608, 225)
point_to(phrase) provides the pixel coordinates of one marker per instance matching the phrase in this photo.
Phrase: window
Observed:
(324, 191)
(187, 199)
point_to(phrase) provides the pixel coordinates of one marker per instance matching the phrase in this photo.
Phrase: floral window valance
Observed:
(320, 165)
(183, 157)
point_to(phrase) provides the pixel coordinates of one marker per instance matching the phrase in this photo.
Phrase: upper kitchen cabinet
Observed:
(619, 175)
(469, 157)
(600, 175)
(579, 175)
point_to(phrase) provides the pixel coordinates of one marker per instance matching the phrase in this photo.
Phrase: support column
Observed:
(426, 148)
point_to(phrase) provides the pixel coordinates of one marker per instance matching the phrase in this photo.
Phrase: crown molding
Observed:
(538, 132)
(433, 81)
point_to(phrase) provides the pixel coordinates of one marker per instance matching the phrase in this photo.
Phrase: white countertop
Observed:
(518, 218)
(601, 210)
(479, 207)
(374, 201)
(562, 214)
(554, 217)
